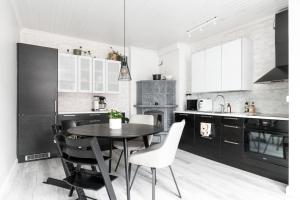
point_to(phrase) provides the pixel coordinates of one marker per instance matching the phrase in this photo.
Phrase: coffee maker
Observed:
(99, 103)
(102, 103)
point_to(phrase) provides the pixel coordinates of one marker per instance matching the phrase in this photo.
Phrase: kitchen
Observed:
(227, 79)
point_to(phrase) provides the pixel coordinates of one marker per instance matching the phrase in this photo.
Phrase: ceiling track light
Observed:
(201, 26)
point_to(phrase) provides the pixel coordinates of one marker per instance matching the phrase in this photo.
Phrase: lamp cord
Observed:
(124, 31)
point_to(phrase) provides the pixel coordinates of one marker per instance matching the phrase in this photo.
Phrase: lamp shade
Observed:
(124, 71)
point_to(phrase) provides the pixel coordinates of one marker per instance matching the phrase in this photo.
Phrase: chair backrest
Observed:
(143, 119)
(170, 145)
(74, 148)
(66, 124)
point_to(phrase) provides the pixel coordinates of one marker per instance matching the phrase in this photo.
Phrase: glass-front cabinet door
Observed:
(99, 75)
(67, 73)
(84, 74)
(112, 75)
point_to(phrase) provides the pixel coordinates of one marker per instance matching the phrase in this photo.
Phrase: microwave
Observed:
(205, 105)
(191, 104)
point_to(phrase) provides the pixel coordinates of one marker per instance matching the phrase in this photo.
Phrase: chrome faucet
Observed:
(222, 106)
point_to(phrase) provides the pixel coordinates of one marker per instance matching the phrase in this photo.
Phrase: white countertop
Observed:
(83, 112)
(241, 115)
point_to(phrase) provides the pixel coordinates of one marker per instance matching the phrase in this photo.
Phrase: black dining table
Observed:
(127, 132)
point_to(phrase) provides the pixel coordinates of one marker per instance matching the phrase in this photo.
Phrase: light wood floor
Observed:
(198, 178)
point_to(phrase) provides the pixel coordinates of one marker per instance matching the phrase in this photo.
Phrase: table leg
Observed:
(99, 157)
(146, 142)
(110, 154)
(125, 147)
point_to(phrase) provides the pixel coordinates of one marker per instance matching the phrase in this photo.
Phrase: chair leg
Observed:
(175, 181)
(129, 171)
(119, 161)
(153, 182)
(133, 178)
(71, 192)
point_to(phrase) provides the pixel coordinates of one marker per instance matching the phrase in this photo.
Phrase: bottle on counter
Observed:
(228, 108)
(252, 108)
(246, 107)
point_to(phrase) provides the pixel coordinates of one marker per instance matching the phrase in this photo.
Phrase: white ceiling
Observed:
(150, 23)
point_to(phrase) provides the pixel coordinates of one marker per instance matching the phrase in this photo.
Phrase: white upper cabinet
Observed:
(225, 68)
(232, 65)
(67, 73)
(112, 75)
(99, 75)
(84, 74)
(198, 75)
(213, 69)
(237, 65)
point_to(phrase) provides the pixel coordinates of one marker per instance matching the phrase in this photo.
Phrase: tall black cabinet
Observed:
(37, 101)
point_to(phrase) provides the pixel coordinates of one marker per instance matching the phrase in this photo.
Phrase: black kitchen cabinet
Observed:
(231, 151)
(188, 135)
(282, 39)
(227, 143)
(207, 146)
(36, 101)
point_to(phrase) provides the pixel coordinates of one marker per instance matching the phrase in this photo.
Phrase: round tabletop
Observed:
(103, 130)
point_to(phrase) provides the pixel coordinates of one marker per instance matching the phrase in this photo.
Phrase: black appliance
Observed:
(267, 140)
(280, 72)
(36, 101)
(191, 104)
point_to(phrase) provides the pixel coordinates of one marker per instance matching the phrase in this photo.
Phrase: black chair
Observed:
(80, 152)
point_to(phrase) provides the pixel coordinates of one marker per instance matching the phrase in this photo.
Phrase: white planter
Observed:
(115, 123)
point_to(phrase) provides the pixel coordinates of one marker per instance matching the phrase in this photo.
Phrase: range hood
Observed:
(280, 72)
(276, 74)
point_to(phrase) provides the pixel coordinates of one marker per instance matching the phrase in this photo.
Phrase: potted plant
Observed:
(114, 55)
(115, 119)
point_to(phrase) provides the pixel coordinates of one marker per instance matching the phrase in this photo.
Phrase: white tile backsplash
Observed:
(268, 98)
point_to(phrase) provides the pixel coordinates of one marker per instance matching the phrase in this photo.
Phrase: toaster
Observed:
(205, 105)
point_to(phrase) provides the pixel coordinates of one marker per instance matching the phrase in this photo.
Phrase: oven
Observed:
(267, 140)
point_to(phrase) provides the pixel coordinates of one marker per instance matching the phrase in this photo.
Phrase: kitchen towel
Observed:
(205, 129)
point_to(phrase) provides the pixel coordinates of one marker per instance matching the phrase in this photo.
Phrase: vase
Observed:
(115, 123)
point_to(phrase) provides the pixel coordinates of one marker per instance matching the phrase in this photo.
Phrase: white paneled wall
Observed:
(269, 98)
(9, 36)
(69, 102)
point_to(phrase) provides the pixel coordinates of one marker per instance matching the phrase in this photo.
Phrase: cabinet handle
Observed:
(230, 142)
(206, 116)
(229, 126)
(69, 115)
(181, 114)
(96, 120)
(231, 118)
(55, 106)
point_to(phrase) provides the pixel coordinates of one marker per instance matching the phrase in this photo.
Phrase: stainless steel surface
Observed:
(230, 126)
(230, 142)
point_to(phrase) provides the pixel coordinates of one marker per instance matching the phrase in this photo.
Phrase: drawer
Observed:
(235, 121)
(232, 134)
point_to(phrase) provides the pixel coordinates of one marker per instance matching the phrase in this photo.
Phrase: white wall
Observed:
(175, 61)
(70, 102)
(9, 36)
(143, 63)
(293, 191)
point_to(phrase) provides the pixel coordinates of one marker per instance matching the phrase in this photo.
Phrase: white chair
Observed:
(159, 155)
(138, 143)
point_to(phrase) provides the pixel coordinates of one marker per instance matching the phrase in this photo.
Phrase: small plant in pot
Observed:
(115, 119)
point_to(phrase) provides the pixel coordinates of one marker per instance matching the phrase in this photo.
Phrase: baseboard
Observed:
(8, 181)
(292, 193)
